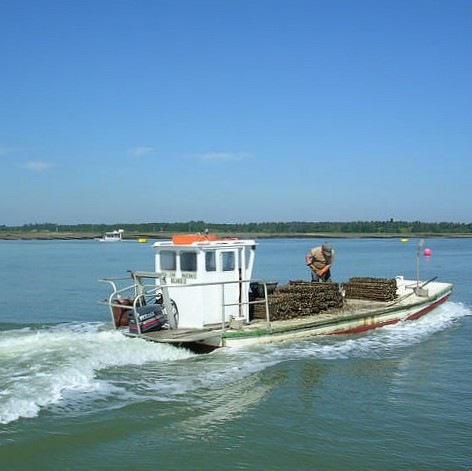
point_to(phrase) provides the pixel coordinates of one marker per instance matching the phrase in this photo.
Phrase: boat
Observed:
(201, 296)
(113, 236)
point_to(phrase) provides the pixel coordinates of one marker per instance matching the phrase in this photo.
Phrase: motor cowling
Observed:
(149, 318)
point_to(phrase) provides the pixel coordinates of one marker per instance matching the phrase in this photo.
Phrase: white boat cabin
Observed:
(220, 269)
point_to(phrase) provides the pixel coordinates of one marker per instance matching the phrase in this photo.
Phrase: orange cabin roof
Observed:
(185, 239)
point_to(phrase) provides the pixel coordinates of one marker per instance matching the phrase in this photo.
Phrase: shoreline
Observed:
(168, 235)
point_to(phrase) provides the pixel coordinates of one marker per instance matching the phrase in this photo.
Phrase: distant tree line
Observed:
(355, 227)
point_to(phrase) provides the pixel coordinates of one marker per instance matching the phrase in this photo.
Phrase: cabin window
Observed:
(227, 261)
(188, 261)
(168, 260)
(210, 261)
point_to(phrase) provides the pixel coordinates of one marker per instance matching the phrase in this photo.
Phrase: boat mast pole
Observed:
(420, 244)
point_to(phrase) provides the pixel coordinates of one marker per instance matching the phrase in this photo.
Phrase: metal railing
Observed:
(141, 293)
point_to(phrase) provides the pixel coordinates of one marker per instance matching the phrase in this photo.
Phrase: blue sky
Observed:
(235, 110)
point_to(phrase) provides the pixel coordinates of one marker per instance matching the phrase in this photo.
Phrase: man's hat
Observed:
(327, 248)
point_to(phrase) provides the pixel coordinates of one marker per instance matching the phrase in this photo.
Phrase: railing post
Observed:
(110, 301)
(223, 327)
(167, 303)
(266, 298)
(136, 316)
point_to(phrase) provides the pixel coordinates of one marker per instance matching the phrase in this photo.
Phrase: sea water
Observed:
(75, 395)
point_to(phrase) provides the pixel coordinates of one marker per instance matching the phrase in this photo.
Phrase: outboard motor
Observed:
(149, 318)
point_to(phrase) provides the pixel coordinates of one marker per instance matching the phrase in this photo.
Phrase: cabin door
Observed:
(230, 264)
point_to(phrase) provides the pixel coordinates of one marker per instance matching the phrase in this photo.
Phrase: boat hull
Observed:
(408, 317)
(357, 319)
(341, 325)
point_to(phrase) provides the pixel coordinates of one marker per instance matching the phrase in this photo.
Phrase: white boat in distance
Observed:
(113, 236)
(201, 296)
